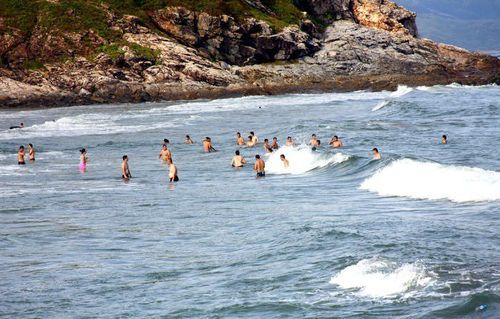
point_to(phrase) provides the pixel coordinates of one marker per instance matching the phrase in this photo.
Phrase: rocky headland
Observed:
(67, 52)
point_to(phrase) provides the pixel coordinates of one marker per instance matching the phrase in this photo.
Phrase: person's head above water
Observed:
(21, 124)
(318, 142)
(266, 140)
(252, 133)
(21, 147)
(164, 146)
(166, 141)
(238, 134)
(289, 138)
(314, 135)
(188, 137)
(250, 137)
(83, 151)
(336, 138)
(275, 138)
(282, 156)
(257, 156)
(30, 145)
(444, 137)
(375, 150)
(237, 152)
(125, 157)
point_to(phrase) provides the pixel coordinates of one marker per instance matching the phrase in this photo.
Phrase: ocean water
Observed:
(414, 235)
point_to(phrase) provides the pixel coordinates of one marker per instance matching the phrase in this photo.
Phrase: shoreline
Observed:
(166, 92)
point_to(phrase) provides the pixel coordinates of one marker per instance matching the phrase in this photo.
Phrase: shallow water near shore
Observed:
(336, 235)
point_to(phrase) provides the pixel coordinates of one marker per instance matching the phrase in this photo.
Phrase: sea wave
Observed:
(402, 90)
(427, 180)
(379, 278)
(302, 159)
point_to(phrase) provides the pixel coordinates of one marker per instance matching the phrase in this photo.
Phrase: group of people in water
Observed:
(237, 161)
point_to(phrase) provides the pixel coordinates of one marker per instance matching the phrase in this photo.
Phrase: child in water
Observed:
(83, 160)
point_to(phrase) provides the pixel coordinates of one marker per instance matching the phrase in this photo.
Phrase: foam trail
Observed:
(380, 105)
(425, 180)
(401, 91)
(378, 278)
(302, 159)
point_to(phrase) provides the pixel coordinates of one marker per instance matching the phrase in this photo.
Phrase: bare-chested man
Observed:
(313, 141)
(172, 173)
(336, 142)
(239, 139)
(251, 142)
(444, 139)
(286, 164)
(238, 160)
(207, 145)
(259, 166)
(289, 141)
(165, 154)
(188, 140)
(267, 147)
(255, 139)
(125, 168)
(274, 144)
(376, 154)
(31, 152)
(20, 155)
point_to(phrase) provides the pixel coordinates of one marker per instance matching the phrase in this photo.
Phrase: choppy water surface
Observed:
(415, 235)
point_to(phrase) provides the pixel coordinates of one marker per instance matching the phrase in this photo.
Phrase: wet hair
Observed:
(336, 137)
(166, 141)
(21, 147)
(314, 135)
(21, 124)
(318, 141)
(207, 138)
(266, 140)
(238, 133)
(249, 137)
(275, 138)
(282, 155)
(252, 133)
(125, 157)
(237, 152)
(83, 150)
(289, 138)
(187, 136)
(164, 145)
(31, 145)
(375, 149)
(444, 136)
(257, 156)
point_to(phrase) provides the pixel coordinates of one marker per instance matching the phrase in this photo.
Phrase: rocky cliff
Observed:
(76, 52)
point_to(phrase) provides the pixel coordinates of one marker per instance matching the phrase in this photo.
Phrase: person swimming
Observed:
(336, 142)
(274, 144)
(255, 139)
(20, 156)
(376, 154)
(165, 154)
(313, 141)
(259, 166)
(207, 145)
(188, 140)
(444, 139)
(31, 152)
(125, 168)
(21, 125)
(172, 173)
(251, 142)
(289, 141)
(238, 160)
(267, 147)
(239, 139)
(83, 160)
(286, 164)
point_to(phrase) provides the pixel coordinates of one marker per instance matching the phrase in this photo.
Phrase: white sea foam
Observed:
(378, 278)
(401, 91)
(380, 105)
(425, 180)
(301, 158)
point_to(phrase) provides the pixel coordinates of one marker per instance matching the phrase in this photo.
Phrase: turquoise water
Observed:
(415, 235)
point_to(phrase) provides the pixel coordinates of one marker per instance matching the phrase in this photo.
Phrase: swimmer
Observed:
(21, 125)
(238, 160)
(251, 142)
(165, 154)
(83, 160)
(188, 140)
(207, 145)
(289, 141)
(335, 142)
(376, 154)
(314, 141)
(286, 164)
(267, 147)
(172, 173)
(259, 166)
(125, 168)
(444, 139)
(239, 139)
(255, 139)
(274, 144)
(31, 152)
(20, 156)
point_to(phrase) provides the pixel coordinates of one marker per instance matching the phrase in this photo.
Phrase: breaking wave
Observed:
(426, 180)
(302, 159)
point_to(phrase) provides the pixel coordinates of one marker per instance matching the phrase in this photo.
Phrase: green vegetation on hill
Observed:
(60, 17)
